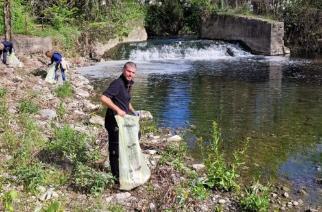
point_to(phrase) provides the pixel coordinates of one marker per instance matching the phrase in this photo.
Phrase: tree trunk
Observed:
(7, 19)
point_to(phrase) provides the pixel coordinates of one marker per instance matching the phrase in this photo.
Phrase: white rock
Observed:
(48, 114)
(151, 151)
(221, 201)
(286, 195)
(198, 167)
(81, 93)
(121, 197)
(97, 120)
(152, 206)
(174, 138)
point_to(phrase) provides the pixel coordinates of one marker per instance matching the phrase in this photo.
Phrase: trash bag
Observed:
(13, 61)
(50, 77)
(133, 169)
(64, 63)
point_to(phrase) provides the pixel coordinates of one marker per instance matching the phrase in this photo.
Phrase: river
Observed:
(275, 102)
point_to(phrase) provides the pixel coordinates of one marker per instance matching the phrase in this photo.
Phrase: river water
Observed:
(274, 102)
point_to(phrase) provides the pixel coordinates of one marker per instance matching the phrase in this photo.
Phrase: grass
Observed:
(256, 198)
(64, 91)
(28, 106)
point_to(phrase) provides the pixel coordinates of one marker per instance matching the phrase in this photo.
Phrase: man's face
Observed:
(129, 72)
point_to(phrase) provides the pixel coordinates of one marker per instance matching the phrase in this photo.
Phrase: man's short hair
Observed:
(129, 64)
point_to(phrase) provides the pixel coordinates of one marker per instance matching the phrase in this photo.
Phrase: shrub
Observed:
(89, 180)
(64, 90)
(256, 198)
(70, 144)
(30, 175)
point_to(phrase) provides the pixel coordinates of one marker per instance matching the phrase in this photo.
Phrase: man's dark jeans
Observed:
(113, 146)
(57, 66)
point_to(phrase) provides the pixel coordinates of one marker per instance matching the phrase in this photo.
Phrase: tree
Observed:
(7, 19)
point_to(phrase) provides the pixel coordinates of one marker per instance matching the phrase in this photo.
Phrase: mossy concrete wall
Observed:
(260, 35)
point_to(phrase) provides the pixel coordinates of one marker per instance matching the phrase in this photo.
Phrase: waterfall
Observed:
(182, 50)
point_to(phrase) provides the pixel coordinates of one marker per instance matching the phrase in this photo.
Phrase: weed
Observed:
(198, 189)
(55, 176)
(115, 208)
(175, 154)
(61, 110)
(148, 127)
(8, 200)
(54, 206)
(219, 173)
(3, 92)
(88, 180)
(182, 194)
(64, 91)
(256, 198)
(70, 144)
(27, 106)
(30, 175)
(11, 140)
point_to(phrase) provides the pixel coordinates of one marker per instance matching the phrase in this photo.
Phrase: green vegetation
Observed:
(86, 179)
(30, 175)
(54, 206)
(8, 200)
(220, 174)
(28, 106)
(256, 198)
(64, 91)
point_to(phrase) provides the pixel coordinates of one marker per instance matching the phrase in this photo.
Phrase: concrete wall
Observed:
(29, 45)
(261, 36)
(137, 34)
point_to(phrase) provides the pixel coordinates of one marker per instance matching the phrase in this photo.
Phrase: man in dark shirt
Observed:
(117, 99)
(5, 48)
(57, 58)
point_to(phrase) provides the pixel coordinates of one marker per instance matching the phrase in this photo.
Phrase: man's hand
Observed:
(121, 113)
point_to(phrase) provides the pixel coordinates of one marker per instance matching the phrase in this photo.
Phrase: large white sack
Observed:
(13, 61)
(133, 169)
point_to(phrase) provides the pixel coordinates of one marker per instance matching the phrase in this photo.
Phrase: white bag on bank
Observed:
(13, 61)
(133, 169)
(50, 77)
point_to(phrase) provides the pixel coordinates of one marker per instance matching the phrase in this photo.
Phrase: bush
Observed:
(69, 143)
(89, 180)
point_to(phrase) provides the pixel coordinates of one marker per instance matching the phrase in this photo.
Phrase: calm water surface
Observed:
(275, 102)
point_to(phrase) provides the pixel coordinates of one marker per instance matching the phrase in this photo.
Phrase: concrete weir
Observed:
(260, 35)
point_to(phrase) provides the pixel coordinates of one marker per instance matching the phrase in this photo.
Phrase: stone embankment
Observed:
(260, 35)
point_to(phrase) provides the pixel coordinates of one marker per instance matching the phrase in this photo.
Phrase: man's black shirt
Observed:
(119, 93)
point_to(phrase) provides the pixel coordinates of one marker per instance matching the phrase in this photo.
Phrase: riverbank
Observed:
(37, 174)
